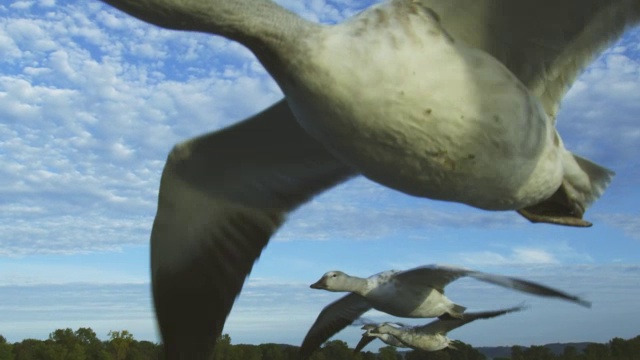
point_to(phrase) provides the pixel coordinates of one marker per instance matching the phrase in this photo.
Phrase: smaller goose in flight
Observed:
(368, 336)
(430, 337)
(413, 293)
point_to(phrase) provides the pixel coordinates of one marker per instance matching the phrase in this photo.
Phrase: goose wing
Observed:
(333, 318)
(444, 326)
(364, 341)
(438, 276)
(545, 43)
(435, 276)
(527, 286)
(222, 196)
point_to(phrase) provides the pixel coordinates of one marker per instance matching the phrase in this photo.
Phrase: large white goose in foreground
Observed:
(413, 293)
(445, 99)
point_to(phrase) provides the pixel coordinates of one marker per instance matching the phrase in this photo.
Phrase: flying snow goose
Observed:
(413, 293)
(430, 337)
(368, 336)
(446, 99)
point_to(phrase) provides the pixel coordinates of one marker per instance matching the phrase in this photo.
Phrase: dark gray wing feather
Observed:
(438, 276)
(364, 341)
(527, 286)
(222, 196)
(444, 326)
(435, 276)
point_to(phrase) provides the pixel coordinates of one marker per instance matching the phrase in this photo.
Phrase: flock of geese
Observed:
(413, 293)
(452, 100)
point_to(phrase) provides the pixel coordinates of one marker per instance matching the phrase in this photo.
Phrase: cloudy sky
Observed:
(91, 102)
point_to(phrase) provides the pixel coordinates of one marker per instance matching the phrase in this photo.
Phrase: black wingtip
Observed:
(186, 318)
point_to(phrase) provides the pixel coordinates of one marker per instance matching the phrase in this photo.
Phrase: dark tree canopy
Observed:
(84, 344)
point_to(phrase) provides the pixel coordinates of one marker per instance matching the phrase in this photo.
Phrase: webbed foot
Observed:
(559, 209)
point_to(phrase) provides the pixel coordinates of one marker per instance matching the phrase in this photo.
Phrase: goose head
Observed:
(382, 329)
(333, 281)
(369, 327)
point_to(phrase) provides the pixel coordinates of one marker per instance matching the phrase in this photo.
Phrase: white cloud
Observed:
(28, 273)
(87, 132)
(629, 223)
(555, 253)
(598, 115)
(21, 5)
(525, 256)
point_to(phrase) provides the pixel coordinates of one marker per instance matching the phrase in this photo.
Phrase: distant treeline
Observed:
(83, 344)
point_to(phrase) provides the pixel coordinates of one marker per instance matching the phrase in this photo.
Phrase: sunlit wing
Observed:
(438, 276)
(444, 326)
(435, 276)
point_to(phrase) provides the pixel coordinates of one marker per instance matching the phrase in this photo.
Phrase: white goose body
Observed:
(411, 338)
(418, 301)
(440, 120)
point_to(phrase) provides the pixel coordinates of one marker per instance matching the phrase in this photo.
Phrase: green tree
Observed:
(596, 352)
(28, 349)
(621, 349)
(247, 352)
(389, 353)
(464, 352)
(53, 351)
(538, 353)
(634, 345)
(6, 349)
(570, 353)
(290, 352)
(223, 348)
(319, 355)
(68, 345)
(93, 347)
(143, 350)
(368, 355)
(336, 349)
(517, 353)
(119, 343)
(428, 355)
(272, 352)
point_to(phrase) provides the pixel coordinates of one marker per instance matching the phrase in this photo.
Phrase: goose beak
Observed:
(320, 284)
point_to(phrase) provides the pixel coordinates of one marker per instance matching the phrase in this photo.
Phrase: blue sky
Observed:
(91, 102)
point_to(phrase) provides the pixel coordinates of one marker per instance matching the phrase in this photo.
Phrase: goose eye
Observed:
(334, 275)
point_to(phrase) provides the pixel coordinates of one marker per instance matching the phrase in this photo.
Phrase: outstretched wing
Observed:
(333, 318)
(364, 341)
(545, 43)
(444, 326)
(222, 196)
(435, 276)
(438, 276)
(527, 286)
